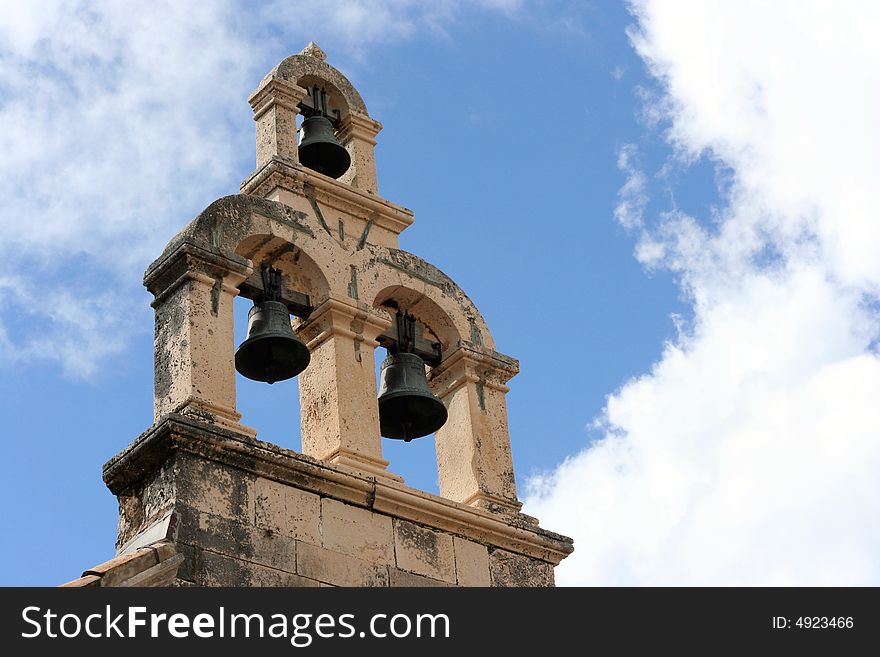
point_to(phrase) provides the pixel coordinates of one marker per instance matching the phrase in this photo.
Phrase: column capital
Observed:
(188, 260)
(275, 91)
(341, 318)
(355, 125)
(471, 363)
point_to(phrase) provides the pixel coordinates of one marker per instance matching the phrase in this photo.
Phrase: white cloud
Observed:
(121, 120)
(633, 195)
(749, 453)
(114, 131)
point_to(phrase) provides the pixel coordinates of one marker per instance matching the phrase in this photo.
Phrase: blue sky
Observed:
(623, 190)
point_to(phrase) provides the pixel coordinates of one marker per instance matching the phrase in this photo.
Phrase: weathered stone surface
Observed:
(287, 510)
(402, 578)
(471, 563)
(424, 551)
(220, 570)
(339, 416)
(234, 539)
(215, 489)
(143, 504)
(509, 569)
(338, 569)
(356, 531)
(191, 559)
(133, 475)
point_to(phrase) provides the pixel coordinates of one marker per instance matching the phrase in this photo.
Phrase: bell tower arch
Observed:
(321, 252)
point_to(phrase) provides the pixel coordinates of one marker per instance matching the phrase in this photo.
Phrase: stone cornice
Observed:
(178, 433)
(335, 317)
(289, 175)
(475, 364)
(176, 265)
(275, 91)
(359, 126)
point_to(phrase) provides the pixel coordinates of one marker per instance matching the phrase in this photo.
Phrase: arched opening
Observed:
(336, 103)
(324, 100)
(416, 460)
(274, 410)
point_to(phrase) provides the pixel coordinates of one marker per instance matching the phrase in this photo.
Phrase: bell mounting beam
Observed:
(319, 107)
(427, 350)
(297, 303)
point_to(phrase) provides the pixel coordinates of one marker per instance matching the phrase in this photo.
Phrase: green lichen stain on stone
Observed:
(363, 239)
(476, 335)
(353, 286)
(215, 296)
(481, 396)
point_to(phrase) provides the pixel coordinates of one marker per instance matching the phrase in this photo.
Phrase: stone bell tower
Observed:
(242, 511)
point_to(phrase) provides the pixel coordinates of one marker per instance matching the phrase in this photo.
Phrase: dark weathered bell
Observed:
(319, 149)
(407, 409)
(271, 351)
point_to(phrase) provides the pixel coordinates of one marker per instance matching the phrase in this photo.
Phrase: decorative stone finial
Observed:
(312, 50)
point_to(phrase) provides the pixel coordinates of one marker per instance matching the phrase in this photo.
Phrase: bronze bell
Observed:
(319, 149)
(271, 352)
(407, 409)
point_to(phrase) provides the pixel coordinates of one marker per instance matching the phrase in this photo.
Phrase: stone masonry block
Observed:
(471, 563)
(233, 539)
(401, 578)
(424, 551)
(338, 569)
(219, 570)
(189, 566)
(287, 510)
(213, 488)
(509, 569)
(356, 531)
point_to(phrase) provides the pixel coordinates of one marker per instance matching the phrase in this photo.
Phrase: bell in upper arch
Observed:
(271, 352)
(319, 149)
(407, 409)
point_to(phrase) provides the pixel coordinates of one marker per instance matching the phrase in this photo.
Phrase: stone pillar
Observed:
(473, 447)
(339, 411)
(274, 105)
(194, 342)
(357, 133)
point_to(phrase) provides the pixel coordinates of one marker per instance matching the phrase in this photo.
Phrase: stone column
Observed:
(339, 411)
(194, 342)
(473, 447)
(357, 133)
(274, 104)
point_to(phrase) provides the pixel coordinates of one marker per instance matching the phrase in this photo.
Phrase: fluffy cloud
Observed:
(749, 453)
(114, 131)
(117, 121)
